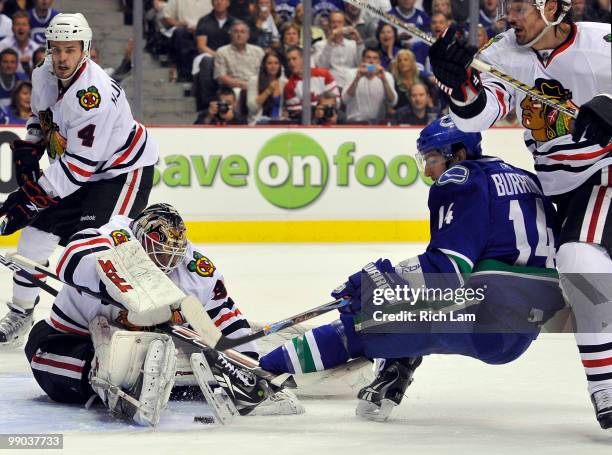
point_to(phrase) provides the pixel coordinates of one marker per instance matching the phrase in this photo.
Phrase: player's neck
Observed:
(553, 38)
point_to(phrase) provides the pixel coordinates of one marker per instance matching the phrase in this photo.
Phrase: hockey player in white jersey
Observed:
(86, 346)
(571, 63)
(101, 160)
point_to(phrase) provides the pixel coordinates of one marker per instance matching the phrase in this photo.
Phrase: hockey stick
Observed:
(476, 64)
(212, 335)
(184, 334)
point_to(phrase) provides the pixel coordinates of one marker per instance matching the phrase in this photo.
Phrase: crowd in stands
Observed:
(244, 58)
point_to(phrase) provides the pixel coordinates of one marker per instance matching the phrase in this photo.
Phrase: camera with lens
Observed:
(329, 111)
(223, 108)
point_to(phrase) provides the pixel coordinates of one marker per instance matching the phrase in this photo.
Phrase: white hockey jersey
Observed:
(90, 131)
(579, 69)
(196, 275)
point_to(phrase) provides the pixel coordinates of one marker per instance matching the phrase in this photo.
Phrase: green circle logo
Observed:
(291, 170)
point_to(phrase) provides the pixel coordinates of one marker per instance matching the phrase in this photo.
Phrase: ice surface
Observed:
(538, 404)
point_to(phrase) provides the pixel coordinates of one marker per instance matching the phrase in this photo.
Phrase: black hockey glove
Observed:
(26, 156)
(22, 206)
(595, 120)
(450, 58)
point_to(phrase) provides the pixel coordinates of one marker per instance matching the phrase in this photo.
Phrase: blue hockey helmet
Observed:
(442, 134)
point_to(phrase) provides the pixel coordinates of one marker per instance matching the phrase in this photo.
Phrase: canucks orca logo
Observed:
(456, 174)
(89, 99)
(201, 265)
(120, 236)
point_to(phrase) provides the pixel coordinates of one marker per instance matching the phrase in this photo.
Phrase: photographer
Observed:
(222, 111)
(326, 111)
(371, 91)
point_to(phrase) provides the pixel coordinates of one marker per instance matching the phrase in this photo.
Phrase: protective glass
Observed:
(429, 158)
(515, 9)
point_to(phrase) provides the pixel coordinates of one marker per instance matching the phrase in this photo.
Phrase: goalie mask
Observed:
(161, 231)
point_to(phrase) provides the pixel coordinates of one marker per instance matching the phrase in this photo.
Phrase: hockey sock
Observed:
(318, 349)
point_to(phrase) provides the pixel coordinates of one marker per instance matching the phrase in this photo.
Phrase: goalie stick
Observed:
(16, 263)
(476, 64)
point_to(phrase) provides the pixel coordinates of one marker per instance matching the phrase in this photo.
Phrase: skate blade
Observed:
(371, 411)
(220, 403)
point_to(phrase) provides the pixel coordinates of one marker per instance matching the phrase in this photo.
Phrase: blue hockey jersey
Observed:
(488, 209)
(38, 25)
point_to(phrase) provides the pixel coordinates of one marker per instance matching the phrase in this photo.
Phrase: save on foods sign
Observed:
(293, 184)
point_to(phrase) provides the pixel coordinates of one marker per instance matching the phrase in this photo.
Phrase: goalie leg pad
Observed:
(142, 364)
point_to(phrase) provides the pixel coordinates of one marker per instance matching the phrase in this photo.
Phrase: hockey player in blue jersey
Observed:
(492, 231)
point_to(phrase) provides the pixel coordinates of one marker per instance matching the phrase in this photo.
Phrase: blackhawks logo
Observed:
(201, 265)
(89, 99)
(56, 143)
(120, 236)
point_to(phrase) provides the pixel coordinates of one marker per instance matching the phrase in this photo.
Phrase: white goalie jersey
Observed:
(89, 128)
(577, 70)
(196, 275)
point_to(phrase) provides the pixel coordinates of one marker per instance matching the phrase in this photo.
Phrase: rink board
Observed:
(244, 184)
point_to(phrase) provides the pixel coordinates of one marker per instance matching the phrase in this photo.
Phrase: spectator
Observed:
(342, 49)
(212, 30)
(488, 18)
(290, 37)
(242, 9)
(370, 92)
(39, 55)
(483, 37)
(317, 34)
(285, 9)
(602, 11)
(322, 9)
(406, 11)
(8, 75)
(326, 111)
(418, 111)
(265, 91)
(442, 7)
(321, 81)
(20, 41)
(12, 6)
(222, 111)
(40, 16)
(370, 18)
(581, 12)
(439, 23)
(405, 74)
(18, 111)
(386, 36)
(264, 20)
(238, 61)
(6, 24)
(125, 66)
(354, 18)
(181, 17)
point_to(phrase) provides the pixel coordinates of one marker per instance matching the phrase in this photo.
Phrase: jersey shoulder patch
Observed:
(89, 98)
(120, 236)
(201, 265)
(457, 174)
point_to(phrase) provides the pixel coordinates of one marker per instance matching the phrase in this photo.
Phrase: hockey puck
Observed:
(204, 419)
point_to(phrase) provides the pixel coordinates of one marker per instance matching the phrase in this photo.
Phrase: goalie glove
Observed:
(594, 120)
(450, 58)
(23, 205)
(26, 157)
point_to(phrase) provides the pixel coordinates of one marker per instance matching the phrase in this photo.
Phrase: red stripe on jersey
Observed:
(601, 193)
(597, 363)
(570, 40)
(123, 157)
(582, 156)
(226, 316)
(500, 99)
(78, 170)
(65, 328)
(57, 364)
(67, 253)
(129, 192)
